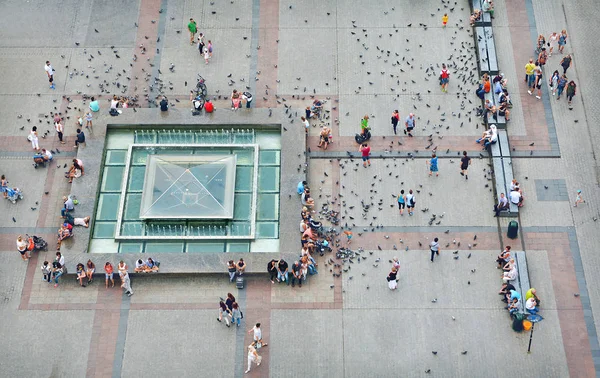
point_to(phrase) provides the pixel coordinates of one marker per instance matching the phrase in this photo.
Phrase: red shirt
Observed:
(108, 268)
(209, 107)
(366, 151)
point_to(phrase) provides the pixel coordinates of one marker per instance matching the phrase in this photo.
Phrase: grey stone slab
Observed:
(115, 22)
(550, 190)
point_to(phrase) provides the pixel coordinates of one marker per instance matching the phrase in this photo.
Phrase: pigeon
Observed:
(434, 352)
(463, 352)
(14, 220)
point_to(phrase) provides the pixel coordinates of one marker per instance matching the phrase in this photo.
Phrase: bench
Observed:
(522, 277)
(485, 19)
(486, 48)
(177, 263)
(503, 173)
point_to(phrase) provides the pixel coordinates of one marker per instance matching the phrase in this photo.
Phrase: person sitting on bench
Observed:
(516, 197)
(140, 266)
(241, 267)
(502, 205)
(151, 265)
(503, 257)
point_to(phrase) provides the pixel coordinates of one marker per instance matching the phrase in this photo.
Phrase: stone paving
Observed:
(287, 53)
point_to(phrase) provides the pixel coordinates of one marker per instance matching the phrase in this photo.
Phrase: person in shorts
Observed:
(108, 274)
(401, 202)
(366, 154)
(410, 202)
(465, 161)
(410, 124)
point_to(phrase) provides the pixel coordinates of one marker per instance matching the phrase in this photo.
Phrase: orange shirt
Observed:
(487, 86)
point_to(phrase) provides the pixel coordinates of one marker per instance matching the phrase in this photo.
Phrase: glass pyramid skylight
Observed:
(189, 187)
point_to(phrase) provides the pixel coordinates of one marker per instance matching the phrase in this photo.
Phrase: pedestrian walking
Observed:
(33, 138)
(395, 119)
(444, 78)
(193, 28)
(50, 72)
(223, 313)
(552, 42)
(401, 202)
(529, 77)
(206, 55)
(444, 20)
(554, 82)
(410, 124)
(465, 161)
(578, 198)
(366, 154)
(236, 314)
(4, 186)
(562, 40)
(392, 279)
(348, 234)
(257, 337)
(201, 43)
(538, 81)
(434, 246)
(542, 57)
(126, 283)
(58, 126)
(410, 202)
(562, 83)
(253, 356)
(209, 46)
(566, 62)
(433, 165)
(571, 91)
(88, 120)
(396, 263)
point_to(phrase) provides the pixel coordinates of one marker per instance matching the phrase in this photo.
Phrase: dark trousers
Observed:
(394, 125)
(433, 253)
(273, 275)
(294, 279)
(498, 209)
(60, 136)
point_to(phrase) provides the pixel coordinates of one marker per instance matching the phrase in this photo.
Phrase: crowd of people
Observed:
(510, 295)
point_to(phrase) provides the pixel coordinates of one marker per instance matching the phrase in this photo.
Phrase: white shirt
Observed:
(59, 127)
(257, 333)
(306, 123)
(502, 201)
(48, 155)
(530, 304)
(114, 103)
(435, 246)
(515, 197)
(61, 260)
(21, 245)
(79, 221)
(49, 69)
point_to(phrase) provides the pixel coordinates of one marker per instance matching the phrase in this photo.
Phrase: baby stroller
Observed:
(36, 243)
(14, 194)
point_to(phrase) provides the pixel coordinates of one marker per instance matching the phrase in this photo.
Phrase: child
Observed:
(47, 271)
(209, 48)
(579, 198)
(206, 55)
(88, 120)
(348, 237)
(444, 19)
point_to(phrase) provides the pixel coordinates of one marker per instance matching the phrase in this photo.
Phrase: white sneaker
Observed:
(530, 93)
(246, 372)
(538, 97)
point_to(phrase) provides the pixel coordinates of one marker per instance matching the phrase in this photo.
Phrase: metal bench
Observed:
(523, 276)
(503, 172)
(486, 48)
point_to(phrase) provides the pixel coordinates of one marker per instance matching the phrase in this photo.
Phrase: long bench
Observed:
(522, 282)
(486, 48)
(503, 172)
(496, 119)
(179, 263)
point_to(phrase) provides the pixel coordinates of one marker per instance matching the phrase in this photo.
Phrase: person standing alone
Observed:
(395, 119)
(465, 161)
(50, 73)
(444, 78)
(366, 154)
(193, 28)
(434, 246)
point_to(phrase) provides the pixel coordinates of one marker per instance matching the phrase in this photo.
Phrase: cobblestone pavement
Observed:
(362, 59)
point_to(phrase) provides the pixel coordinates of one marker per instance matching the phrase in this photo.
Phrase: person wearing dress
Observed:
(433, 165)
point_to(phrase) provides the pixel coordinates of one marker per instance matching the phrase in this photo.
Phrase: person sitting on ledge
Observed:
(65, 231)
(140, 266)
(80, 274)
(151, 265)
(503, 257)
(241, 267)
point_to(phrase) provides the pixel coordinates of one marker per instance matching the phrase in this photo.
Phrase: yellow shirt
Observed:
(529, 294)
(529, 67)
(444, 19)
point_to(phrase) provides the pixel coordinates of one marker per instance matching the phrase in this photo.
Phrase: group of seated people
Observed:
(314, 110)
(122, 102)
(236, 268)
(515, 197)
(65, 230)
(148, 266)
(486, 7)
(499, 85)
(510, 295)
(41, 158)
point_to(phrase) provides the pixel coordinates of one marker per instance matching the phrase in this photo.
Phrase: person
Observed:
(206, 55)
(514, 306)
(562, 41)
(401, 202)
(444, 77)
(306, 199)
(538, 82)
(84, 222)
(50, 72)
(562, 83)
(433, 165)
(505, 290)
(324, 137)
(57, 271)
(396, 263)
(282, 271)
(475, 16)
(22, 248)
(410, 124)
(164, 104)
(60, 258)
(530, 306)
(80, 274)
(296, 274)
(80, 138)
(492, 137)
(348, 234)
(366, 154)
(552, 41)
(529, 76)
(230, 301)
(542, 57)
(33, 138)
(94, 105)
(392, 279)
(241, 266)
(501, 205)
(541, 43)
(444, 19)
(253, 356)
(90, 270)
(272, 269)
(306, 124)
(236, 314)
(58, 126)
(64, 232)
(68, 206)
(578, 198)
(231, 270)
(516, 197)
(554, 82)
(208, 106)
(114, 103)
(509, 265)
(201, 43)
(532, 293)
(301, 186)
(209, 46)
(571, 90)
(434, 247)
(223, 313)
(257, 337)
(410, 202)
(108, 274)
(395, 120)
(364, 124)
(514, 184)
(503, 257)
(140, 266)
(88, 120)
(246, 97)
(46, 272)
(193, 28)
(122, 268)
(236, 101)
(488, 7)
(465, 161)
(316, 108)
(75, 171)
(4, 185)
(510, 275)
(151, 265)
(126, 283)
(307, 113)
(42, 158)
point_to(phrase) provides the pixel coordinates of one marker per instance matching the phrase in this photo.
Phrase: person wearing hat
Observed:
(578, 199)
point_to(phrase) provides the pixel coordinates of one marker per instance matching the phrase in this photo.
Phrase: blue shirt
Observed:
(94, 106)
(300, 188)
(515, 294)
